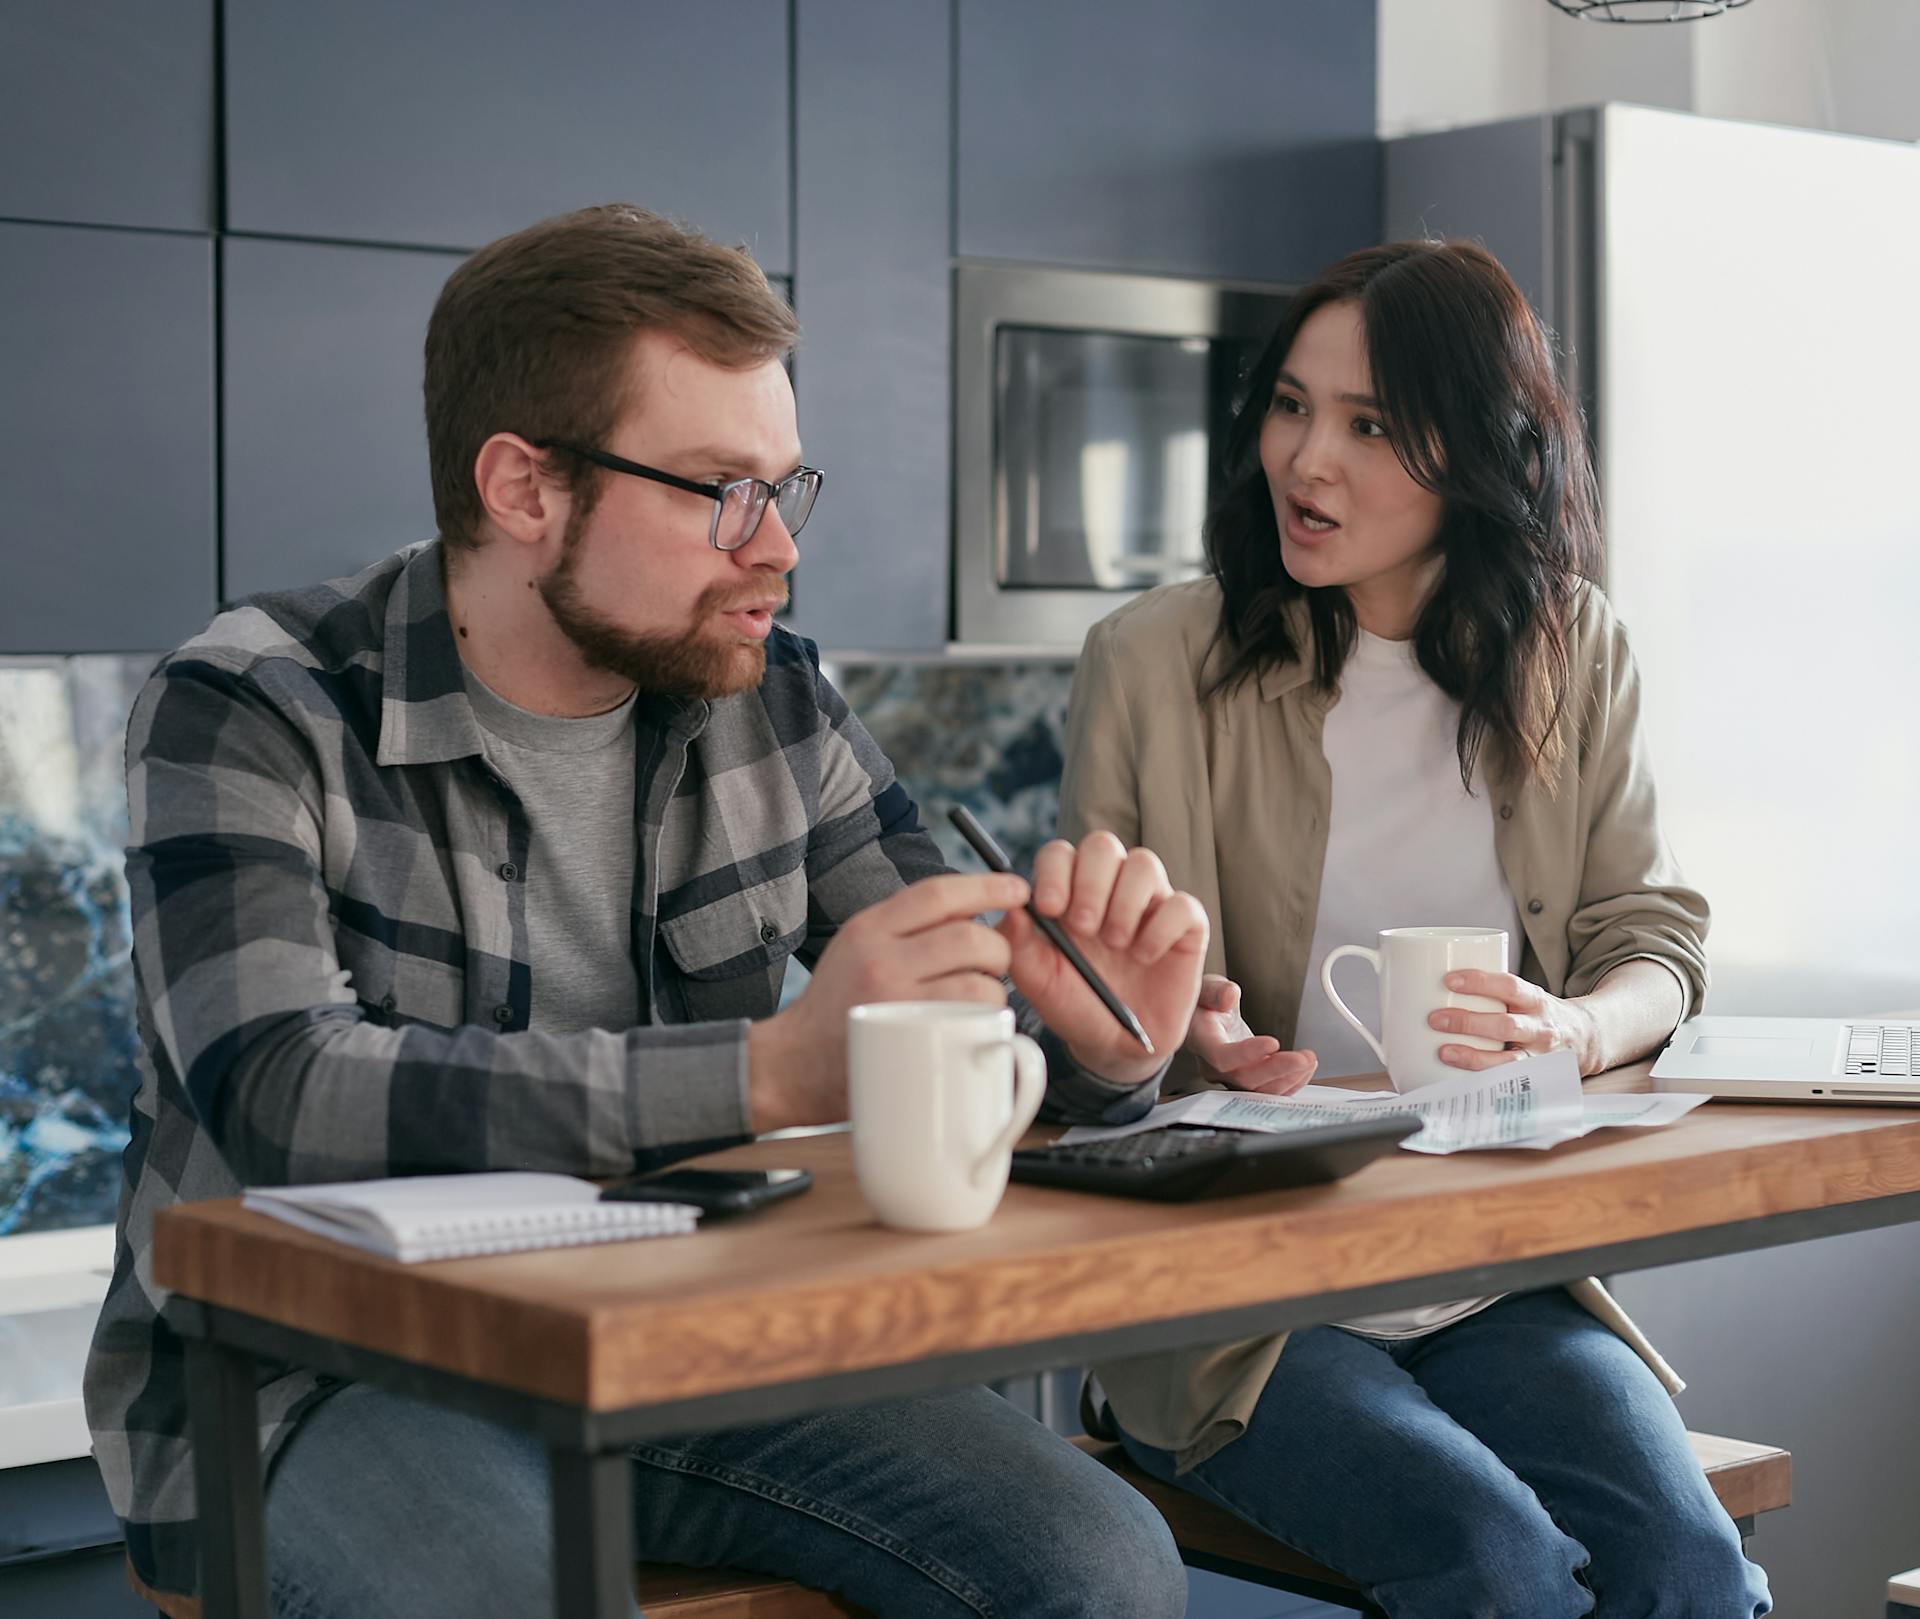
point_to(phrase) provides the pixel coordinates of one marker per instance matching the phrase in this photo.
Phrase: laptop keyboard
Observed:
(1881, 1051)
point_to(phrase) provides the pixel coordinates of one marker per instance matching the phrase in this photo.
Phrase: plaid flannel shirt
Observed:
(329, 906)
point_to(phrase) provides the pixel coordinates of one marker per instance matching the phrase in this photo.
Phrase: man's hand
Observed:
(1147, 941)
(925, 943)
(1230, 1053)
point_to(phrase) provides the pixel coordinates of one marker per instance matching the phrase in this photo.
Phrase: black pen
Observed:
(996, 859)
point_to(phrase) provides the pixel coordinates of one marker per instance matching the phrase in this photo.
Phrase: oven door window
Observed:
(1106, 450)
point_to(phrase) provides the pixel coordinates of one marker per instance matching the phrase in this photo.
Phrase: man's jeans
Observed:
(936, 1508)
(1522, 1463)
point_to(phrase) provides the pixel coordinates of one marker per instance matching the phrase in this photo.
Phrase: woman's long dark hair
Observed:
(1473, 407)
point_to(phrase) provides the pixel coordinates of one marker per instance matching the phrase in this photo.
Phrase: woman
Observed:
(1399, 700)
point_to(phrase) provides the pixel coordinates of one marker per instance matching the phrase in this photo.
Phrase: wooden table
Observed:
(812, 1304)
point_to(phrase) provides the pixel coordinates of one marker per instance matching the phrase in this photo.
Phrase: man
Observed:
(493, 856)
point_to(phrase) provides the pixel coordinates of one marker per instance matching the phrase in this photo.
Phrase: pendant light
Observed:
(1644, 11)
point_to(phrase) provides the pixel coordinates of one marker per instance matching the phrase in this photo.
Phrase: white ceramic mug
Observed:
(940, 1091)
(1413, 964)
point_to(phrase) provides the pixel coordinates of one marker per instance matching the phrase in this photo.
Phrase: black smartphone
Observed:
(716, 1193)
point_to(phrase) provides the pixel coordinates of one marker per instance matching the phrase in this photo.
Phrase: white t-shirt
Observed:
(1407, 846)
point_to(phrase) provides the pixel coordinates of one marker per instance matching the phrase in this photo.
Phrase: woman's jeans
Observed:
(937, 1508)
(1522, 1463)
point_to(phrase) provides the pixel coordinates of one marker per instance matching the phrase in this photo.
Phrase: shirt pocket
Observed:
(753, 930)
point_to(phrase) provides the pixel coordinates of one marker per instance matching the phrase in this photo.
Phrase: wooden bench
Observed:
(1748, 1480)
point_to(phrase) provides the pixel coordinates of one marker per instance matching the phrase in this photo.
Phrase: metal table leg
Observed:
(231, 1510)
(592, 1534)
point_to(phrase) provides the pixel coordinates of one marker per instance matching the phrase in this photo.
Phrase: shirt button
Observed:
(1534, 907)
(768, 933)
(1506, 812)
(503, 1015)
(387, 1004)
(509, 872)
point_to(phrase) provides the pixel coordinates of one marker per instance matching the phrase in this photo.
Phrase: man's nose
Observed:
(772, 548)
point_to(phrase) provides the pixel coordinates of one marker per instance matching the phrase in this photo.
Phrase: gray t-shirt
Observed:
(575, 781)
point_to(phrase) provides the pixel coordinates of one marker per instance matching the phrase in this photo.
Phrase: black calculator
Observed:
(1180, 1162)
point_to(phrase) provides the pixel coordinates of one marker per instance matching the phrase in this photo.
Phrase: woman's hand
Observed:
(1533, 1021)
(1232, 1054)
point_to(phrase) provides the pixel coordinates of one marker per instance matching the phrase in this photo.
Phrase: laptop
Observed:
(1778, 1059)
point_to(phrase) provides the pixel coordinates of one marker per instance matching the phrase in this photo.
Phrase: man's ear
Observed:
(525, 502)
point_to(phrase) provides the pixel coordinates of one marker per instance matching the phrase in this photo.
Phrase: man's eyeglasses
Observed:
(738, 505)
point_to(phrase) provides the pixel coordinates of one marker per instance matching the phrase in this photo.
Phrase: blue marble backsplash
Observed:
(67, 1073)
(984, 736)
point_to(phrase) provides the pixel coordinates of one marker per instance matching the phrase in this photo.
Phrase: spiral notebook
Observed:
(461, 1216)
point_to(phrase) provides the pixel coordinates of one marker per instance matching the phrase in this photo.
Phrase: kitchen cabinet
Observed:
(106, 438)
(873, 292)
(430, 126)
(1228, 138)
(325, 466)
(106, 113)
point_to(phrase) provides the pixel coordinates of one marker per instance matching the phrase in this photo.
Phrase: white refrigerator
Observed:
(1741, 307)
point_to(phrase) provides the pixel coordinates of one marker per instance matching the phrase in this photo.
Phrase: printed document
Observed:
(1534, 1103)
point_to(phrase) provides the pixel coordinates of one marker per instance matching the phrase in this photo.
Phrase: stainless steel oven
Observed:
(1090, 410)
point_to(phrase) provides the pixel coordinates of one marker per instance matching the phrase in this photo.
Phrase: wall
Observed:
(1846, 65)
(1471, 61)
(1474, 61)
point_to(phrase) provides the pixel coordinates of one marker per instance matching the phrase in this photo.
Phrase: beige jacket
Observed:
(1235, 795)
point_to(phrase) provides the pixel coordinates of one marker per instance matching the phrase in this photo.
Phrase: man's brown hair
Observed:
(532, 334)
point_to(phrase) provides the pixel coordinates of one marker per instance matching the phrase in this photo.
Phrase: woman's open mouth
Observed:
(1306, 523)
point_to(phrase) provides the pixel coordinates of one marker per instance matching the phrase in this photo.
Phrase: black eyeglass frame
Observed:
(767, 493)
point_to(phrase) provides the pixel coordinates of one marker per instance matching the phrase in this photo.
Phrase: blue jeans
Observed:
(1522, 1462)
(935, 1508)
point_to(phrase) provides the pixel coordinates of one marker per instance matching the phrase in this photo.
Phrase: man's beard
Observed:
(693, 663)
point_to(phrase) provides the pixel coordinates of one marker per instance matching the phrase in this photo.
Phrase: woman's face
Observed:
(1348, 512)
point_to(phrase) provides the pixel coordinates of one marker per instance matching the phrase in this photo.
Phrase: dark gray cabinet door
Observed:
(1493, 183)
(106, 112)
(325, 464)
(1213, 137)
(106, 438)
(873, 294)
(446, 126)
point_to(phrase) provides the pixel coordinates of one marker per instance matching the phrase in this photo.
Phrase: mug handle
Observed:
(1340, 1006)
(1029, 1090)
